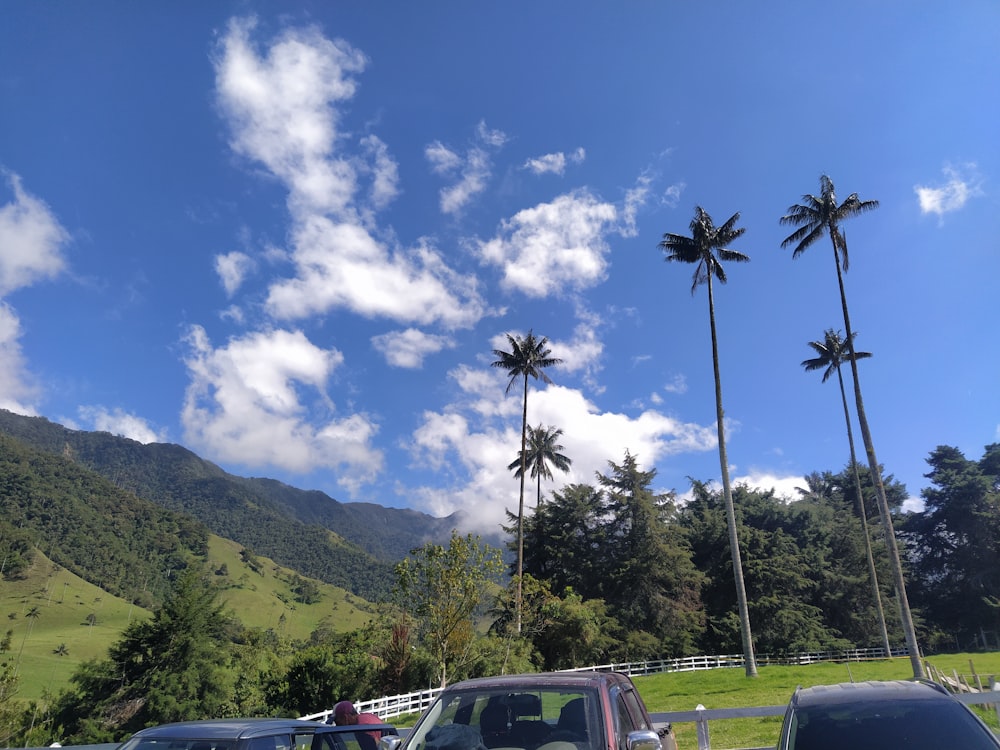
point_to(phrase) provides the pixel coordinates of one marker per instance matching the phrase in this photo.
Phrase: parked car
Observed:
(545, 711)
(917, 715)
(257, 734)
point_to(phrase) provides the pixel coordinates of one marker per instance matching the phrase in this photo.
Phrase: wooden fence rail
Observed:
(390, 707)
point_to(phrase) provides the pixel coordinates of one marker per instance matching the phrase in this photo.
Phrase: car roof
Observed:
(867, 692)
(585, 679)
(230, 728)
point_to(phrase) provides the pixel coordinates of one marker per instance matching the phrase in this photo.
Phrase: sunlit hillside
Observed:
(57, 621)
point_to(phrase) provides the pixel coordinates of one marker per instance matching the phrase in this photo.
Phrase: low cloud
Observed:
(254, 401)
(18, 392)
(477, 431)
(119, 422)
(31, 237)
(32, 243)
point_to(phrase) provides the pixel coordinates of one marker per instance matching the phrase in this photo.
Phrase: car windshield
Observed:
(560, 718)
(916, 725)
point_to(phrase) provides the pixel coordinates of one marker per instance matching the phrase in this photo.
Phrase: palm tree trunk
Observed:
(864, 521)
(866, 436)
(520, 506)
(750, 662)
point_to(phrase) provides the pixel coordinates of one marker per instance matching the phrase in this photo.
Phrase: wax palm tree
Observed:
(708, 247)
(830, 354)
(542, 451)
(814, 217)
(528, 357)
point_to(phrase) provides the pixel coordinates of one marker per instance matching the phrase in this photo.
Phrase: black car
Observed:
(917, 715)
(258, 734)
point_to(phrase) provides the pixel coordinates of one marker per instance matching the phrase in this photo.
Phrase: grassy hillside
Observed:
(77, 621)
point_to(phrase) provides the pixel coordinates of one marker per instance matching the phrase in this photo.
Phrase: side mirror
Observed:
(390, 742)
(643, 739)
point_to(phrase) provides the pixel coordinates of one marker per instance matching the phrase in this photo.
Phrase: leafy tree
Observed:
(830, 355)
(9, 706)
(168, 668)
(322, 675)
(577, 632)
(528, 357)
(445, 589)
(955, 543)
(542, 451)
(814, 217)
(700, 248)
(651, 583)
(566, 541)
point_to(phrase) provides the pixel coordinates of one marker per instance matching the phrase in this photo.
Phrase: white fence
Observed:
(390, 707)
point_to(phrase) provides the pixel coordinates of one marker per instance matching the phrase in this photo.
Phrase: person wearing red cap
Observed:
(344, 713)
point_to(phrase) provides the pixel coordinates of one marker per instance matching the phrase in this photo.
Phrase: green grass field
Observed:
(730, 688)
(77, 621)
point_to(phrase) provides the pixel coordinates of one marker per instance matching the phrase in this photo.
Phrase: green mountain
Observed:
(350, 545)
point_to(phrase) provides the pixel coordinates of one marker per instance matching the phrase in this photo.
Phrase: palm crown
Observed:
(700, 247)
(832, 352)
(818, 213)
(528, 357)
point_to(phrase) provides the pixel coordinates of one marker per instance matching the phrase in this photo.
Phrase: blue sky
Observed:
(288, 236)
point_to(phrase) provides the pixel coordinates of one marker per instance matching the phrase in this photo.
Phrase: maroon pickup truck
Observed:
(544, 711)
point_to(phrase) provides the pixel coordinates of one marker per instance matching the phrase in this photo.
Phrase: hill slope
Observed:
(352, 545)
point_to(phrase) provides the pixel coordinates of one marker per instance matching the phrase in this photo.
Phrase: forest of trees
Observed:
(612, 572)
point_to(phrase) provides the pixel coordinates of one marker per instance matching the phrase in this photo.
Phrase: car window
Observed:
(352, 740)
(268, 742)
(635, 708)
(910, 724)
(487, 719)
(623, 721)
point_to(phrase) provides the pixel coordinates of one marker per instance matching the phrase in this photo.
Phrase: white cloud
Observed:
(635, 198)
(18, 391)
(545, 250)
(473, 169)
(385, 171)
(961, 184)
(409, 348)
(233, 269)
(553, 163)
(31, 250)
(282, 106)
(480, 433)
(678, 384)
(118, 422)
(672, 195)
(342, 265)
(31, 240)
(784, 486)
(250, 403)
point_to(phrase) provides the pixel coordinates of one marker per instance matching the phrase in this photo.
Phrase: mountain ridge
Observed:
(351, 545)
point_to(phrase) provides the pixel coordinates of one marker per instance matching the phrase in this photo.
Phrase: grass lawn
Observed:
(730, 688)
